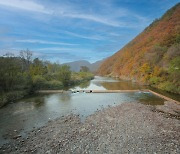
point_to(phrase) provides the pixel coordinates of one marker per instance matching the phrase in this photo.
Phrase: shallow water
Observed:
(37, 110)
(106, 83)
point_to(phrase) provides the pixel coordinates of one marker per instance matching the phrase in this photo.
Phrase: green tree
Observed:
(9, 73)
(175, 65)
(37, 68)
(64, 75)
(174, 70)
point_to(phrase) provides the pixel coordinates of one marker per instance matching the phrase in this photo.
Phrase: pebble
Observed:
(134, 129)
(17, 137)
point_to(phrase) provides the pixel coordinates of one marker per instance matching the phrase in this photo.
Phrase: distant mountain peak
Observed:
(76, 65)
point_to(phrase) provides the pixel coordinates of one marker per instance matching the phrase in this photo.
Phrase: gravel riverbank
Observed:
(127, 128)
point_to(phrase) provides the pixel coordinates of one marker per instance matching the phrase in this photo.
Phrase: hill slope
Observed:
(95, 66)
(76, 65)
(153, 57)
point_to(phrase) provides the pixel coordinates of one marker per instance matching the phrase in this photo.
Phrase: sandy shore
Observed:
(127, 128)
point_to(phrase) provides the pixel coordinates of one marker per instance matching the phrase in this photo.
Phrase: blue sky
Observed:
(69, 30)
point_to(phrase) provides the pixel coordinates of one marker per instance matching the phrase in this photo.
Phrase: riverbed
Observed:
(34, 112)
(126, 128)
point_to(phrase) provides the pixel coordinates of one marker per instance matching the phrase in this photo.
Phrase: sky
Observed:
(69, 30)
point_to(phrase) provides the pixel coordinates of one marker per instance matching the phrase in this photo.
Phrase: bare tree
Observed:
(26, 57)
(9, 54)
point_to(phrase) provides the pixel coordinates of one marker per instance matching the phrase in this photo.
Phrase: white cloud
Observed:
(84, 36)
(95, 18)
(107, 16)
(53, 49)
(44, 42)
(68, 50)
(27, 5)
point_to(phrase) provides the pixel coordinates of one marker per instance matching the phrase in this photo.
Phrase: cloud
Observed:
(53, 49)
(92, 29)
(95, 37)
(59, 49)
(70, 10)
(96, 18)
(106, 14)
(27, 5)
(62, 54)
(44, 42)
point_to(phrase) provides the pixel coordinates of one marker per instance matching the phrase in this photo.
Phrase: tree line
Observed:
(23, 75)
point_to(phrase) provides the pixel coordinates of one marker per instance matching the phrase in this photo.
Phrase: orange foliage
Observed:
(130, 59)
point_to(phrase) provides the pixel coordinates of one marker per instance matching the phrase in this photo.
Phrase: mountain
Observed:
(153, 57)
(76, 65)
(95, 66)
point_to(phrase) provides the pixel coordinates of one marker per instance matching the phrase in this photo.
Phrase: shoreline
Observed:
(13, 96)
(130, 127)
(135, 80)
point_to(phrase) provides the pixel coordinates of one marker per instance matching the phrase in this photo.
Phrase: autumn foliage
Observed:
(151, 57)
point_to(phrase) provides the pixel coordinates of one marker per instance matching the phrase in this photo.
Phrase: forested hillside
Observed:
(153, 57)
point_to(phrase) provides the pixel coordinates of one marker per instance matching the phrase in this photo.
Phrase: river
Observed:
(37, 110)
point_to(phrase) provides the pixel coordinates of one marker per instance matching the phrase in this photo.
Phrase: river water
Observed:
(37, 110)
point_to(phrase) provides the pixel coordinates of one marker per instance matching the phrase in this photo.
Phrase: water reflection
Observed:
(38, 101)
(105, 83)
(146, 98)
(121, 85)
(37, 110)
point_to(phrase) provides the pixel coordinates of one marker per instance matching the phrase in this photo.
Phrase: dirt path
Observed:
(127, 128)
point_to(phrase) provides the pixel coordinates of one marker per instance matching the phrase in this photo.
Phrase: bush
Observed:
(81, 76)
(145, 69)
(11, 97)
(154, 80)
(39, 82)
(3, 100)
(54, 84)
(155, 54)
(175, 65)
(173, 52)
(64, 75)
(169, 86)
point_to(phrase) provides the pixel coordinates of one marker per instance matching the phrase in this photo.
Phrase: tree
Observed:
(155, 54)
(37, 68)
(64, 74)
(145, 69)
(9, 73)
(175, 65)
(84, 69)
(26, 58)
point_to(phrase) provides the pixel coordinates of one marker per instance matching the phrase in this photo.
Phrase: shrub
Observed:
(39, 82)
(154, 80)
(155, 54)
(64, 75)
(11, 97)
(175, 65)
(145, 68)
(173, 52)
(82, 76)
(169, 86)
(54, 84)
